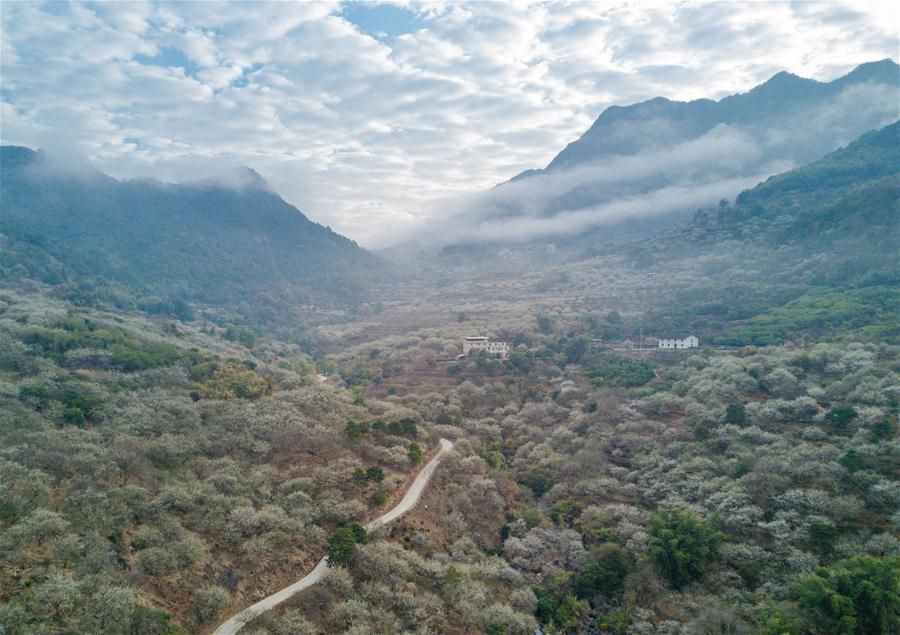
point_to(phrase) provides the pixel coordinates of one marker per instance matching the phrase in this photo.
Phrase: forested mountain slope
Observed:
(236, 246)
(642, 169)
(808, 253)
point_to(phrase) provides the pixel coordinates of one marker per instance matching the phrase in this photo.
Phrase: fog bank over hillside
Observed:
(660, 157)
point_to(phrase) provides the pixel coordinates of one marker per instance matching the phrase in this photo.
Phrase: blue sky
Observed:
(364, 115)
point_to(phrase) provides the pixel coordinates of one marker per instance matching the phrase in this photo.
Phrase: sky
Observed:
(366, 115)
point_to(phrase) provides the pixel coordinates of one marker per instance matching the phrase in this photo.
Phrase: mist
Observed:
(662, 178)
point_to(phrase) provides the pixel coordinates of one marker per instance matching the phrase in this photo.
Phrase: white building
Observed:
(689, 342)
(481, 343)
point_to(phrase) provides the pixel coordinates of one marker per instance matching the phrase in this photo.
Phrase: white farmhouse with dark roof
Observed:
(690, 341)
(482, 343)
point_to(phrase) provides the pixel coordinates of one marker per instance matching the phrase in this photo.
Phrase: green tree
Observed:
(565, 512)
(603, 573)
(852, 460)
(735, 414)
(375, 473)
(546, 324)
(857, 596)
(359, 532)
(576, 348)
(822, 537)
(840, 418)
(341, 547)
(415, 453)
(682, 544)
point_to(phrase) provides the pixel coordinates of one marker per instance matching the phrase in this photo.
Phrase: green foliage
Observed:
(375, 473)
(867, 313)
(341, 547)
(546, 324)
(492, 453)
(128, 352)
(557, 606)
(822, 537)
(538, 482)
(682, 545)
(852, 460)
(576, 348)
(735, 414)
(618, 370)
(359, 533)
(401, 428)
(779, 620)
(840, 418)
(356, 429)
(603, 573)
(230, 380)
(565, 512)
(208, 601)
(857, 596)
(415, 453)
(379, 497)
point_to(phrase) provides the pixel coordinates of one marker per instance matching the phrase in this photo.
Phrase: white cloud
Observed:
(364, 134)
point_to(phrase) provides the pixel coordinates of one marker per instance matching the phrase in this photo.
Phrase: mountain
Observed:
(237, 246)
(645, 168)
(777, 103)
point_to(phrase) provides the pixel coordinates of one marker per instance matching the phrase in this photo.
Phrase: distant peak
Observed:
(12, 157)
(251, 177)
(885, 70)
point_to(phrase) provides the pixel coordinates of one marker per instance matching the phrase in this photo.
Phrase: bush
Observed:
(341, 547)
(603, 574)
(617, 370)
(208, 601)
(415, 453)
(858, 596)
(681, 544)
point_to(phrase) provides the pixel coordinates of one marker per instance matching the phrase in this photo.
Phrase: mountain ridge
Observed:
(235, 246)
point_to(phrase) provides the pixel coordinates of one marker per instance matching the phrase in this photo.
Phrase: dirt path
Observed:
(235, 623)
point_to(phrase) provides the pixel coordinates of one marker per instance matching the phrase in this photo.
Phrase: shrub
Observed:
(858, 596)
(415, 453)
(341, 547)
(681, 544)
(208, 601)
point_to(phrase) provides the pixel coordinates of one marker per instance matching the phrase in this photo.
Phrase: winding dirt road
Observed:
(237, 622)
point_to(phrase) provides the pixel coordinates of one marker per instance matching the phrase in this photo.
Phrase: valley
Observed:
(219, 416)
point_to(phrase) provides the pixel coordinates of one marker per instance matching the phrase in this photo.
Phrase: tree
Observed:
(341, 547)
(546, 324)
(565, 512)
(576, 348)
(415, 453)
(375, 473)
(840, 418)
(682, 544)
(359, 532)
(603, 574)
(735, 414)
(852, 460)
(208, 601)
(858, 596)
(822, 537)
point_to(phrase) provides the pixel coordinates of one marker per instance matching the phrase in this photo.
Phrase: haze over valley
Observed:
(298, 337)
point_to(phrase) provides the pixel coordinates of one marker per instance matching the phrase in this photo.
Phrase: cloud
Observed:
(365, 133)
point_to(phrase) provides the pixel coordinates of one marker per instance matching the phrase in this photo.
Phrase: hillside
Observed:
(238, 247)
(810, 253)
